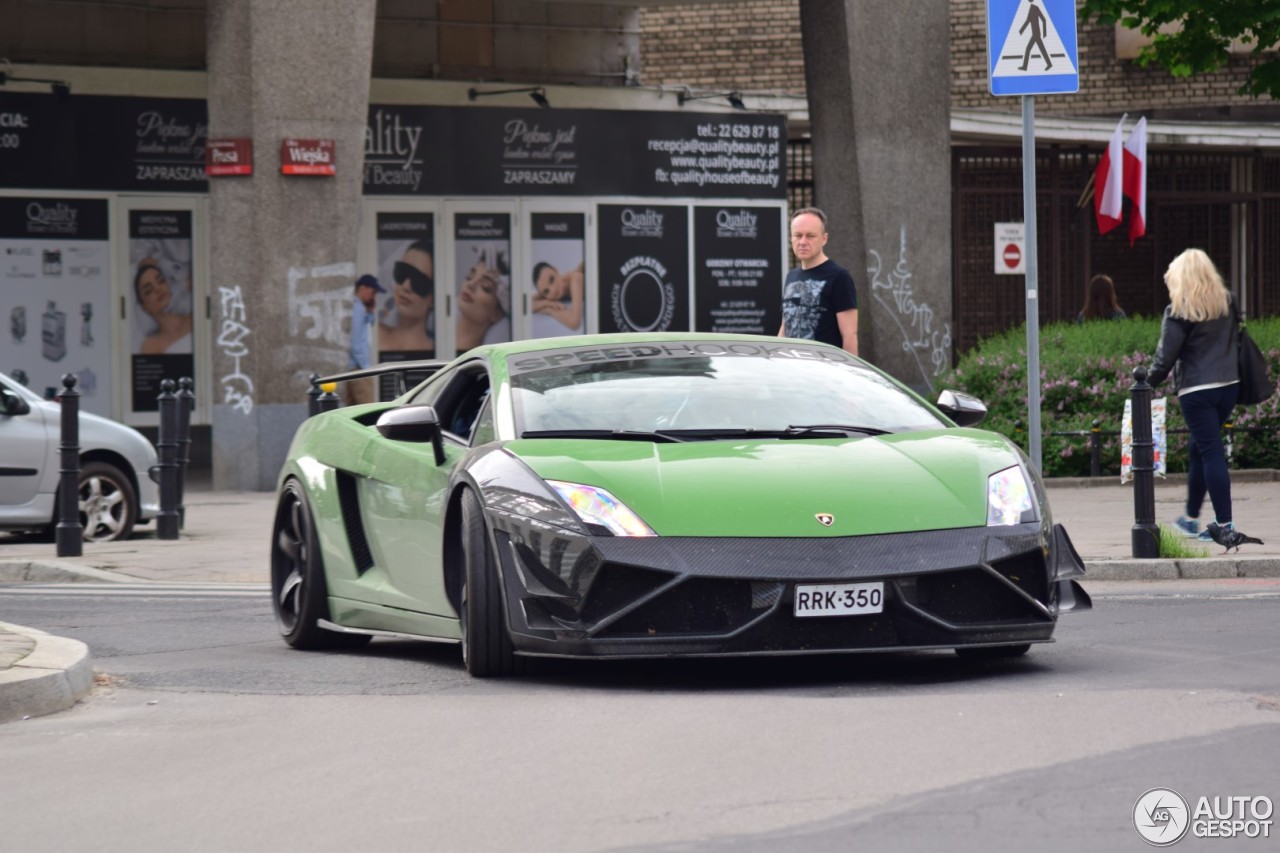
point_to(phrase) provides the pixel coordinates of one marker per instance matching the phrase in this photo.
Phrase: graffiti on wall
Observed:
(325, 312)
(925, 336)
(237, 386)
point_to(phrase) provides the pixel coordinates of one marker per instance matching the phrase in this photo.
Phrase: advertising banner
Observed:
(482, 260)
(55, 296)
(556, 282)
(406, 315)
(644, 268)
(107, 142)
(737, 262)
(99, 142)
(160, 303)
(530, 152)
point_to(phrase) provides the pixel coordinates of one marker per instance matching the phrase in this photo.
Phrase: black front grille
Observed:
(972, 597)
(1027, 571)
(698, 606)
(615, 586)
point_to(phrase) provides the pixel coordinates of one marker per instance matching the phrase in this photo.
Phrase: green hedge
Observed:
(1086, 372)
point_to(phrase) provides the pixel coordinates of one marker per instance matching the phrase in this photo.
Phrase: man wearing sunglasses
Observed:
(362, 313)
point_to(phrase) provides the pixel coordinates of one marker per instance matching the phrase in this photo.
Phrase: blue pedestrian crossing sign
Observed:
(1031, 47)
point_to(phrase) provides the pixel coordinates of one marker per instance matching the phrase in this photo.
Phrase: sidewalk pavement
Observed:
(227, 536)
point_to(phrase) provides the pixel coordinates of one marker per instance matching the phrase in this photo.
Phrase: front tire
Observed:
(299, 594)
(486, 646)
(108, 503)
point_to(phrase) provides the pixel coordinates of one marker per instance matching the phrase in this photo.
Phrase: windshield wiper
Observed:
(611, 434)
(804, 430)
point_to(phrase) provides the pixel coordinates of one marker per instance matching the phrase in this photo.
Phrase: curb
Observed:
(1243, 475)
(1192, 569)
(28, 571)
(52, 677)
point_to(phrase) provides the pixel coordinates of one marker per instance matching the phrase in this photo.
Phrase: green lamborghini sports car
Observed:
(620, 496)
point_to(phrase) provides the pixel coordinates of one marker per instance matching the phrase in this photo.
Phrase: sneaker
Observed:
(1204, 534)
(1188, 527)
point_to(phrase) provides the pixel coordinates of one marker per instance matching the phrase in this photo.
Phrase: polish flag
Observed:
(1108, 194)
(1135, 179)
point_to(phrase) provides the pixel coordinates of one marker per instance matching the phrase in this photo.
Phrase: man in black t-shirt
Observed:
(818, 299)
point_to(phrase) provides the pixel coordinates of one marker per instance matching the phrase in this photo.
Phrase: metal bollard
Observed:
(167, 521)
(186, 404)
(313, 396)
(328, 400)
(69, 534)
(1095, 449)
(1146, 533)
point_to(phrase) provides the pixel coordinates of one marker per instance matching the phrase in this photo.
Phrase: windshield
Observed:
(703, 396)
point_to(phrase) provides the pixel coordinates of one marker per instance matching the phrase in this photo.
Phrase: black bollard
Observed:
(328, 400)
(313, 396)
(1146, 533)
(69, 534)
(1095, 449)
(167, 521)
(186, 403)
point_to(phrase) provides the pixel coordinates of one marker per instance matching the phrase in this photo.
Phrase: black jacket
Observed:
(1197, 353)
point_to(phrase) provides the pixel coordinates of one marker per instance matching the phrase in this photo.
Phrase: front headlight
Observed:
(597, 507)
(1009, 498)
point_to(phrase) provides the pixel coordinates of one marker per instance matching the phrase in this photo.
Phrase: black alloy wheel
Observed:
(486, 646)
(299, 595)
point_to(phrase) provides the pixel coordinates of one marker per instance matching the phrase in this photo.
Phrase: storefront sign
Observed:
(307, 157)
(644, 262)
(160, 303)
(228, 157)
(55, 287)
(737, 269)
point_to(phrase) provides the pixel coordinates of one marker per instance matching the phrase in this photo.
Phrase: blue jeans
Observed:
(1205, 412)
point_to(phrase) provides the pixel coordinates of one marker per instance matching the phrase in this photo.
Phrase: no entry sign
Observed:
(1011, 254)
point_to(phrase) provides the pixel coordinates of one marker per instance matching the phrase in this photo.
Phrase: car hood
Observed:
(766, 488)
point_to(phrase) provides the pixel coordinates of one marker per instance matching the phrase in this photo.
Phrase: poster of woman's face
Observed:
(483, 292)
(406, 313)
(161, 290)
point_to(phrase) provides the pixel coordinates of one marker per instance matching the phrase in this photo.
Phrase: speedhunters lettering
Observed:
(692, 349)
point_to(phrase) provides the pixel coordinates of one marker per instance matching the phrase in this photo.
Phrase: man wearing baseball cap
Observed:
(362, 317)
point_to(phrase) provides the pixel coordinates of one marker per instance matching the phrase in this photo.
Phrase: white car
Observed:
(116, 489)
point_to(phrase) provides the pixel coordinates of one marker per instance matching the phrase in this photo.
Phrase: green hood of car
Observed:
(766, 488)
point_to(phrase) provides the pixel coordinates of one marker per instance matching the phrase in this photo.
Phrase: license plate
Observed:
(839, 599)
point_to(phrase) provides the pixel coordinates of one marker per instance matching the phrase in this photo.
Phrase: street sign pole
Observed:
(1032, 256)
(1032, 49)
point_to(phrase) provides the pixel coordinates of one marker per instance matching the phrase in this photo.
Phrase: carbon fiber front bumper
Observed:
(598, 596)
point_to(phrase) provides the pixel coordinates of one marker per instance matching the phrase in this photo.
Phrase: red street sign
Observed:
(1012, 256)
(228, 157)
(307, 157)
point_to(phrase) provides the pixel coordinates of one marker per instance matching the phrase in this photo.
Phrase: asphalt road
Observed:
(207, 733)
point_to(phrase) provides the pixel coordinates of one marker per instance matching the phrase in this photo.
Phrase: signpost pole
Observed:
(1033, 303)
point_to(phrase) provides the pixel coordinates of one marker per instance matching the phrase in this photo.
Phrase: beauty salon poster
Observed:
(644, 268)
(159, 303)
(406, 315)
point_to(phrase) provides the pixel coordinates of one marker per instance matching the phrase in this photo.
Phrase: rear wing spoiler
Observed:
(407, 373)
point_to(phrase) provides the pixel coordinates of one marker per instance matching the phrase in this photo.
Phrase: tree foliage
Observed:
(1202, 39)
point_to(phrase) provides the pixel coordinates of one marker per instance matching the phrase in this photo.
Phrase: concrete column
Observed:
(283, 248)
(878, 78)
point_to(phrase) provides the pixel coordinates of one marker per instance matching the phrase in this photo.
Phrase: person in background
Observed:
(1100, 301)
(1198, 342)
(818, 298)
(363, 302)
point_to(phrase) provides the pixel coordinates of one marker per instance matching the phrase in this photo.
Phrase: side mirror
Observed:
(965, 409)
(417, 424)
(11, 404)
